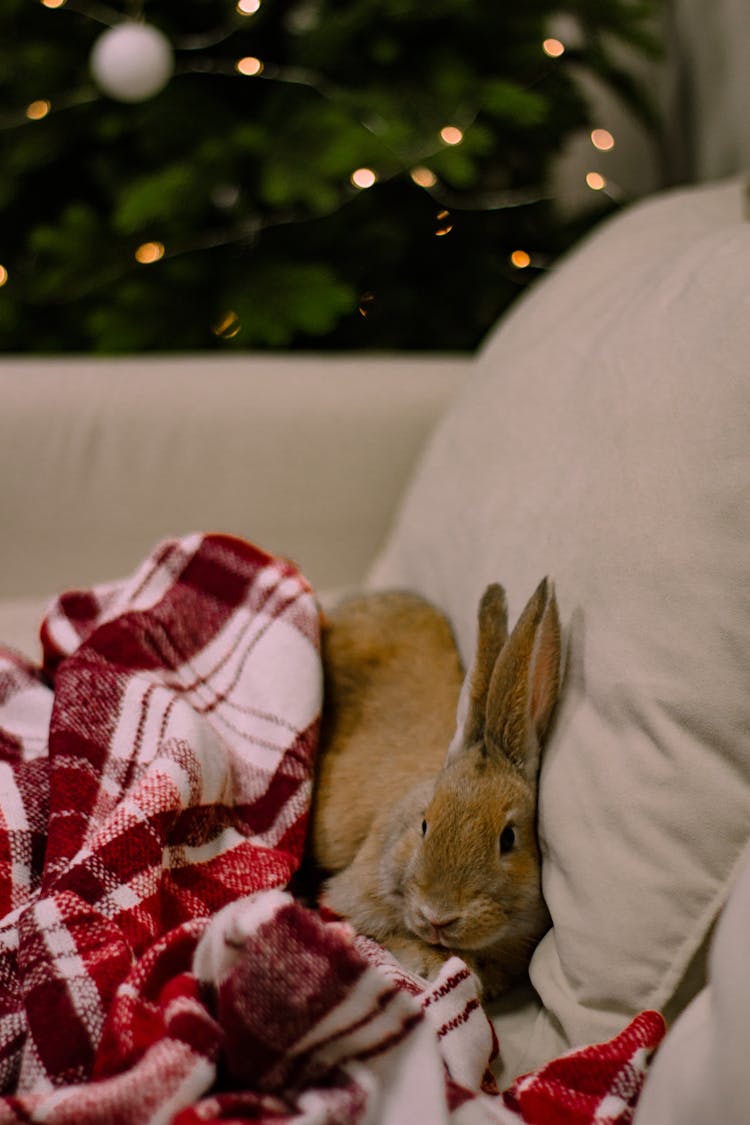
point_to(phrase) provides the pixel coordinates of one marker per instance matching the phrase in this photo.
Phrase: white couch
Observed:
(601, 436)
(102, 458)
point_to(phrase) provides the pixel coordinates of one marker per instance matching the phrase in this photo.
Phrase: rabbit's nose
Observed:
(437, 923)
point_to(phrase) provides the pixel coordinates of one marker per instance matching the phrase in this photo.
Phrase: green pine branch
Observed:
(246, 181)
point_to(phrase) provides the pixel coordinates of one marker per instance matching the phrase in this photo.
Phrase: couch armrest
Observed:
(307, 456)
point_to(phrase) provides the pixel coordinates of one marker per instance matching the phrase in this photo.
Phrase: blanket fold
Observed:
(155, 780)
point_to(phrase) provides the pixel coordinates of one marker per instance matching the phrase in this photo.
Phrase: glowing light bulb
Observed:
(53, 3)
(423, 177)
(520, 259)
(228, 326)
(602, 139)
(38, 109)
(365, 301)
(363, 178)
(149, 252)
(553, 48)
(248, 7)
(3, 276)
(249, 66)
(596, 181)
(451, 135)
(446, 226)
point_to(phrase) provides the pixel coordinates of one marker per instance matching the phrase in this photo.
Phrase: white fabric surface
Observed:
(701, 1074)
(102, 458)
(604, 440)
(708, 124)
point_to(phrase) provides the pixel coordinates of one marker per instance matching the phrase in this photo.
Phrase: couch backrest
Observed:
(100, 459)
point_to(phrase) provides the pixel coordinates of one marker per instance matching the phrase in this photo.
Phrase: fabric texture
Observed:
(701, 1072)
(167, 773)
(705, 120)
(603, 440)
(145, 448)
(155, 776)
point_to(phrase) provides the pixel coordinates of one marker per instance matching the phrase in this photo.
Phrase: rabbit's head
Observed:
(472, 879)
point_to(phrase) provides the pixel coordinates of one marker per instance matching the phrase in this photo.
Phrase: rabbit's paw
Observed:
(417, 956)
(493, 975)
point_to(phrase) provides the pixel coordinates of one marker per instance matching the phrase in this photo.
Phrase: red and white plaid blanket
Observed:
(155, 776)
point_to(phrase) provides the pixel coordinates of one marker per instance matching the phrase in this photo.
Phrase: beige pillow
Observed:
(701, 1074)
(605, 439)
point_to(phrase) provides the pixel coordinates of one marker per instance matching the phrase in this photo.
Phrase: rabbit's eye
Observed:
(507, 839)
(424, 827)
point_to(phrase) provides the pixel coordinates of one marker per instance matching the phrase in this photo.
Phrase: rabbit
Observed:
(432, 854)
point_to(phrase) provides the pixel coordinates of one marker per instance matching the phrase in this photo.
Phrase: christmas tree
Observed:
(288, 173)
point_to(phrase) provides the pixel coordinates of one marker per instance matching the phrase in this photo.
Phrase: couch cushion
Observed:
(605, 439)
(701, 1072)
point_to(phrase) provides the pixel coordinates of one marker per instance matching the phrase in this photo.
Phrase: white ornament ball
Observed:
(132, 62)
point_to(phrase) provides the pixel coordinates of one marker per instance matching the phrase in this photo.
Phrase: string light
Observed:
(149, 252)
(602, 139)
(446, 226)
(520, 259)
(364, 304)
(38, 109)
(249, 66)
(423, 177)
(553, 48)
(596, 181)
(228, 327)
(451, 135)
(3, 276)
(363, 178)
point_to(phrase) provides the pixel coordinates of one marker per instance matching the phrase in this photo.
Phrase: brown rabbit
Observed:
(448, 861)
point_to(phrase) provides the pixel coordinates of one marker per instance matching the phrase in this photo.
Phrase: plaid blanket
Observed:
(155, 775)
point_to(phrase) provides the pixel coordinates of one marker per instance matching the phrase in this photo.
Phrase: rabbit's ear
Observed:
(492, 633)
(525, 683)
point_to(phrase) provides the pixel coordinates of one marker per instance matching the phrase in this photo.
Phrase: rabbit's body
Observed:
(441, 855)
(392, 676)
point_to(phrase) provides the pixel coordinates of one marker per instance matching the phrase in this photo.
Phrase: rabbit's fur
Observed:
(432, 854)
